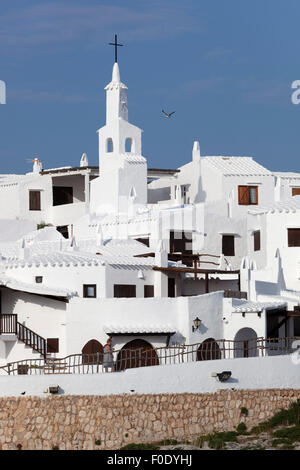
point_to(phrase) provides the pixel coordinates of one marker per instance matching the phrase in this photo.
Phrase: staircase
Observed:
(9, 325)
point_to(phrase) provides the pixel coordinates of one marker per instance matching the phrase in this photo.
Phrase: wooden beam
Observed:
(178, 269)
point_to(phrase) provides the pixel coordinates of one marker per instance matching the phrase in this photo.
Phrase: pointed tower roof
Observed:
(115, 79)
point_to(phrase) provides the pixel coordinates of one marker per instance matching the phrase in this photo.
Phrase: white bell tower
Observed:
(123, 170)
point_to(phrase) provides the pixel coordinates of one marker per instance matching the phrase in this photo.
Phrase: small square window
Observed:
(38, 279)
(89, 290)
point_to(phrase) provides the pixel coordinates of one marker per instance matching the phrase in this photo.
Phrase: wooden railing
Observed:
(134, 358)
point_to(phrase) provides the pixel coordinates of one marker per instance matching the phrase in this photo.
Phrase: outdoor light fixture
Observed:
(54, 389)
(224, 376)
(197, 323)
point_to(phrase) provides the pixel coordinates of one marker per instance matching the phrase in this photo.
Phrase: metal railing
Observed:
(141, 357)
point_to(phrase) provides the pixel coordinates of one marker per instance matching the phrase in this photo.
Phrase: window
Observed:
(256, 239)
(248, 195)
(148, 291)
(228, 245)
(38, 279)
(52, 345)
(109, 145)
(181, 242)
(295, 191)
(293, 236)
(124, 290)
(89, 290)
(62, 195)
(34, 200)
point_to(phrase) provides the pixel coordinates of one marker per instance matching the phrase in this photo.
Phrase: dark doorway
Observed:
(92, 352)
(208, 350)
(136, 353)
(171, 287)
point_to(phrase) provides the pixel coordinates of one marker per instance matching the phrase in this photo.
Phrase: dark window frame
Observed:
(85, 291)
(38, 279)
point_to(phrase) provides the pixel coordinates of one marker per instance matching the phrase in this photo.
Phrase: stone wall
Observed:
(109, 422)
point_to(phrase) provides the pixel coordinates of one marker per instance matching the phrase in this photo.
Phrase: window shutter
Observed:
(295, 191)
(243, 195)
(34, 200)
(52, 345)
(148, 291)
(124, 290)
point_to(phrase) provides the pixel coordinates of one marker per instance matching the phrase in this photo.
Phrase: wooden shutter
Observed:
(124, 290)
(256, 238)
(228, 245)
(148, 291)
(293, 236)
(243, 195)
(52, 345)
(34, 200)
(295, 191)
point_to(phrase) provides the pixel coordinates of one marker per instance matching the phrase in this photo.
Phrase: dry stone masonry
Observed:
(109, 422)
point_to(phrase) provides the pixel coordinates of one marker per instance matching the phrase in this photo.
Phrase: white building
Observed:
(149, 254)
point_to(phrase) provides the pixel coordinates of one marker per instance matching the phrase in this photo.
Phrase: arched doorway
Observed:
(208, 350)
(245, 343)
(136, 353)
(92, 352)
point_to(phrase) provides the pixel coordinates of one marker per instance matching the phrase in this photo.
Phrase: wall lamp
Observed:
(197, 323)
(224, 376)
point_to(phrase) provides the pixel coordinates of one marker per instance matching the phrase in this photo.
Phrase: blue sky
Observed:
(226, 67)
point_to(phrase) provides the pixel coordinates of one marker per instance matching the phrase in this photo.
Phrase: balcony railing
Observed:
(141, 357)
(8, 324)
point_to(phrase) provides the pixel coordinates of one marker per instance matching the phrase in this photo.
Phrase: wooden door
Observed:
(92, 352)
(136, 353)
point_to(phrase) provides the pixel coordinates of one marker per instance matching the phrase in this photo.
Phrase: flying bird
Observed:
(168, 115)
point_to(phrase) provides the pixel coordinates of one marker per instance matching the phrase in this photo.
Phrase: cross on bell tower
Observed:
(116, 47)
